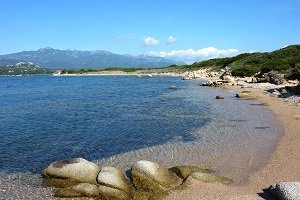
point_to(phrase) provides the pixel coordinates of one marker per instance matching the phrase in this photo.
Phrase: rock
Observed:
(209, 178)
(274, 77)
(109, 193)
(140, 195)
(187, 78)
(114, 178)
(79, 190)
(220, 97)
(173, 87)
(286, 190)
(77, 169)
(246, 91)
(246, 86)
(150, 176)
(276, 93)
(208, 83)
(227, 72)
(242, 95)
(254, 80)
(184, 171)
(58, 182)
(283, 91)
(228, 79)
(213, 83)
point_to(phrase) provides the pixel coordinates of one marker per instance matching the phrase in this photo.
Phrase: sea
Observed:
(118, 120)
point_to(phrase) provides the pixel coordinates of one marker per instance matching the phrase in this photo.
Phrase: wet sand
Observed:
(283, 165)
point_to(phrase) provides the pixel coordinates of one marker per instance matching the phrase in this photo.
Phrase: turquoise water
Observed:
(117, 120)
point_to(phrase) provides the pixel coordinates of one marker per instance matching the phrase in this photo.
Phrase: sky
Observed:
(188, 31)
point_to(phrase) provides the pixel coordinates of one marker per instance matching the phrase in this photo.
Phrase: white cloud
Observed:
(191, 55)
(171, 40)
(150, 41)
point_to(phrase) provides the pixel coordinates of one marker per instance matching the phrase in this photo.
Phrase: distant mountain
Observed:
(74, 59)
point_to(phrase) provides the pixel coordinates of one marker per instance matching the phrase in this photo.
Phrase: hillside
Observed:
(23, 68)
(285, 60)
(72, 59)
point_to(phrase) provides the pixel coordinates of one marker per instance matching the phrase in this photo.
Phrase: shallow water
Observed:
(119, 120)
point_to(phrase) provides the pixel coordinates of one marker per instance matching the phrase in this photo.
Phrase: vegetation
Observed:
(285, 60)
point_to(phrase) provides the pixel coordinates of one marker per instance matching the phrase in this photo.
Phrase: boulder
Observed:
(114, 178)
(242, 95)
(209, 178)
(58, 182)
(228, 79)
(184, 171)
(208, 83)
(150, 176)
(79, 190)
(286, 190)
(77, 169)
(274, 77)
(141, 195)
(220, 97)
(109, 193)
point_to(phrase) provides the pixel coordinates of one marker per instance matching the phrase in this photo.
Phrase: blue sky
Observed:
(189, 30)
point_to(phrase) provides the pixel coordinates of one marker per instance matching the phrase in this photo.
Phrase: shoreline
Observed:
(283, 165)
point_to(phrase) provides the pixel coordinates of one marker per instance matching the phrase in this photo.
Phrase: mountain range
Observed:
(73, 59)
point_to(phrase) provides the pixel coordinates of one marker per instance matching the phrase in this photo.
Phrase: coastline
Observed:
(283, 165)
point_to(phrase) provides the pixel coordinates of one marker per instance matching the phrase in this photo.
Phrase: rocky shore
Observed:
(146, 180)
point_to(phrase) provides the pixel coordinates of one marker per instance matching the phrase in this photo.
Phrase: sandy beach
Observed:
(282, 166)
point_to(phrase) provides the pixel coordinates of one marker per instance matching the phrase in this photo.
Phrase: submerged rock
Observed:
(184, 171)
(173, 87)
(79, 190)
(150, 176)
(220, 97)
(209, 178)
(77, 169)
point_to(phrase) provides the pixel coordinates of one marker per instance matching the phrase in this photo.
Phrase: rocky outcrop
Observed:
(185, 170)
(274, 77)
(150, 176)
(217, 83)
(286, 190)
(209, 178)
(81, 178)
(77, 169)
